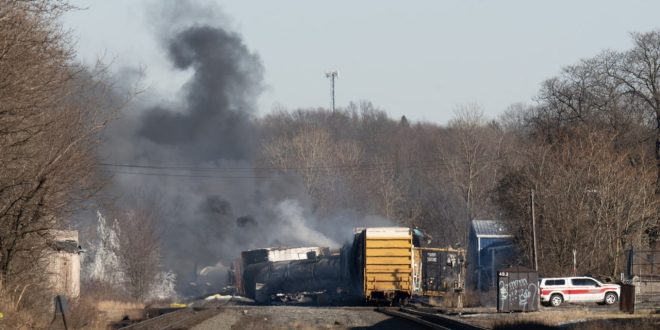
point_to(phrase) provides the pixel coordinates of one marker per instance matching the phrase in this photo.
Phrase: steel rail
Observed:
(173, 319)
(155, 320)
(412, 318)
(429, 320)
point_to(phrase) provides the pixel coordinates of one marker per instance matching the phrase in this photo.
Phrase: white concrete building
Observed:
(64, 263)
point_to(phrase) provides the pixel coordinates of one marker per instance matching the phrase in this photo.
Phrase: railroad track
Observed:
(183, 318)
(428, 320)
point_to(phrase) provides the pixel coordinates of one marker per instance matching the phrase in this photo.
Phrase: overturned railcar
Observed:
(296, 280)
(290, 274)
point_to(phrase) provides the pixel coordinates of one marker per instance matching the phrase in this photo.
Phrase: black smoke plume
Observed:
(214, 121)
(210, 215)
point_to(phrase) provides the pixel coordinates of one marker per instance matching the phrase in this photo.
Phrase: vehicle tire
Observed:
(610, 298)
(556, 300)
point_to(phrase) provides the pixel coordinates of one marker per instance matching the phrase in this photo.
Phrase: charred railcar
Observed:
(296, 280)
(244, 270)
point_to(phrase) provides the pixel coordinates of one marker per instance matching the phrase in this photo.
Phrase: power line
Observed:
(186, 175)
(378, 165)
(220, 173)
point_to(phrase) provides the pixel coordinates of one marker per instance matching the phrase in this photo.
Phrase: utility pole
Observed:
(574, 262)
(332, 75)
(536, 261)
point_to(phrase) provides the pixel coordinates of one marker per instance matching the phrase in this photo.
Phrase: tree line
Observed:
(588, 146)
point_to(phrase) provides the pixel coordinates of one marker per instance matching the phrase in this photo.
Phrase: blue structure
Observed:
(490, 247)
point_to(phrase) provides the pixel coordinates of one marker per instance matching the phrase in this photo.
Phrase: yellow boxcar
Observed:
(387, 263)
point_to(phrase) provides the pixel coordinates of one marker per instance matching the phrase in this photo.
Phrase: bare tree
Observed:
(589, 198)
(638, 70)
(319, 159)
(48, 127)
(139, 238)
(471, 153)
(360, 159)
(638, 73)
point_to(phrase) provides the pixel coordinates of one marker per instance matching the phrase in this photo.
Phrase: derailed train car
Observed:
(380, 265)
(438, 271)
(296, 280)
(383, 264)
(247, 270)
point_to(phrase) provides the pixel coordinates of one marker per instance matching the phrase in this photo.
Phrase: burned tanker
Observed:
(315, 279)
(289, 274)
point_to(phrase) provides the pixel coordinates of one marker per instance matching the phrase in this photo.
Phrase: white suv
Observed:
(554, 291)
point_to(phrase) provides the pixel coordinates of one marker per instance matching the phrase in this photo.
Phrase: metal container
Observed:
(517, 290)
(438, 271)
(627, 299)
(432, 270)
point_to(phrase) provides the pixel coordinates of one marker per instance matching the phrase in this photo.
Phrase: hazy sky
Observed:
(413, 58)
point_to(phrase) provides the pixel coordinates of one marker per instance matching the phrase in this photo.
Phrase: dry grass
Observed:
(471, 298)
(102, 291)
(20, 310)
(117, 305)
(30, 307)
(636, 323)
(84, 315)
(551, 319)
(25, 309)
(109, 304)
(115, 311)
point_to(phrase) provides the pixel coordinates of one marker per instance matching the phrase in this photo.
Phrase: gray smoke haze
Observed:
(211, 215)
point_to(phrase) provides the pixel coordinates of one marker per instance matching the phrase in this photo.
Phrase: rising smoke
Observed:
(214, 121)
(212, 215)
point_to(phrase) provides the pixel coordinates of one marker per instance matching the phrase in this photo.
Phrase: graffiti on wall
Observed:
(518, 294)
